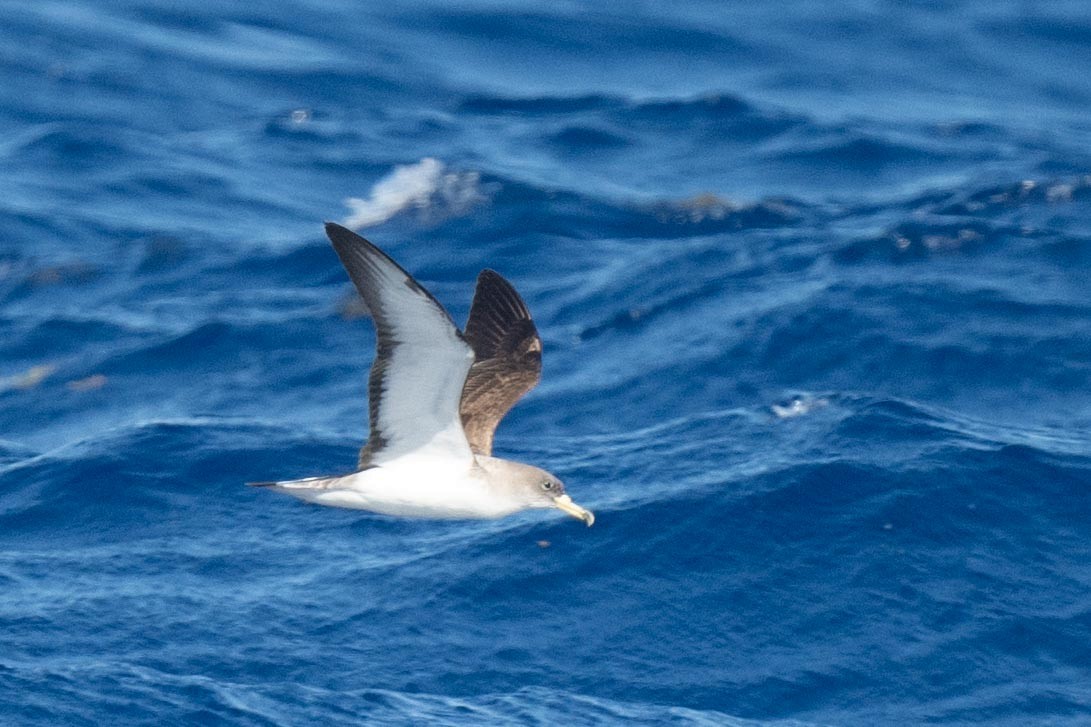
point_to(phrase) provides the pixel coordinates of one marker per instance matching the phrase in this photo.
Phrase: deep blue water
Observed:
(814, 284)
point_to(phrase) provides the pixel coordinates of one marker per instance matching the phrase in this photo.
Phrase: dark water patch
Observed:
(62, 336)
(857, 153)
(208, 349)
(1065, 31)
(167, 17)
(537, 105)
(516, 207)
(79, 150)
(972, 129)
(75, 272)
(163, 253)
(1068, 250)
(646, 312)
(148, 478)
(716, 117)
(583, 139)
(310, 264)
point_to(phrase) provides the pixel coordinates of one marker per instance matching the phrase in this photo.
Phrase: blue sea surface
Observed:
(814, 285)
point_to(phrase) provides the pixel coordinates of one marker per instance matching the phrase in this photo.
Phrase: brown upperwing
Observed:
(508, 358)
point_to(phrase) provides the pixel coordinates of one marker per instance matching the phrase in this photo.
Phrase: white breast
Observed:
(417, 487)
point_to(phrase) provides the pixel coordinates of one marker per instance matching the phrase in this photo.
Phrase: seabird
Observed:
(435, 397)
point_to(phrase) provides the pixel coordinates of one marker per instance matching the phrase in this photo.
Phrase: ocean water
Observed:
(814, 285)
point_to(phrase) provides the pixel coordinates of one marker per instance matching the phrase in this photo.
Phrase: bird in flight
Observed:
(435, 397)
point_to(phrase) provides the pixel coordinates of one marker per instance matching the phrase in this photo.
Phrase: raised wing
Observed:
(508, 355)
(420, 364)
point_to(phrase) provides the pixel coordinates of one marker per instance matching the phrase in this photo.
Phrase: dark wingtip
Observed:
(491, 284)
(496, 292)
(347, 242)
(357, 256)
(261, 484)
(337, 232)
(499, 319)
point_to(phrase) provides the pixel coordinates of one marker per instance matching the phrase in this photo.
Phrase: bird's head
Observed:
(533, 487)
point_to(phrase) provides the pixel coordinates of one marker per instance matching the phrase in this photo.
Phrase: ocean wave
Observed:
(546, 105)
(144, 695)
(600, 122)
(941, 222)
(855, 151)
(707, 106)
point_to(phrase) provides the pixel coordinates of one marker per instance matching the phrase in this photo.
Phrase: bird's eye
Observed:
(547, 485)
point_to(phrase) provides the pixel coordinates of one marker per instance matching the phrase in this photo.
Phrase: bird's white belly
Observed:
(419, 490)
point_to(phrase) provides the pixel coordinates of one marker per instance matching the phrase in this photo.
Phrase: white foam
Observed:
(425, 187)
(798, 406)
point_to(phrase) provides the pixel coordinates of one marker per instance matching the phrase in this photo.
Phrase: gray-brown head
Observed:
(531, 487)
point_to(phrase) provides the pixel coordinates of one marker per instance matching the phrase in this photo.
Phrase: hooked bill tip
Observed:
(564, 503)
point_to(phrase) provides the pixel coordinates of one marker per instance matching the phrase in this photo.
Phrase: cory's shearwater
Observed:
(436, 396)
